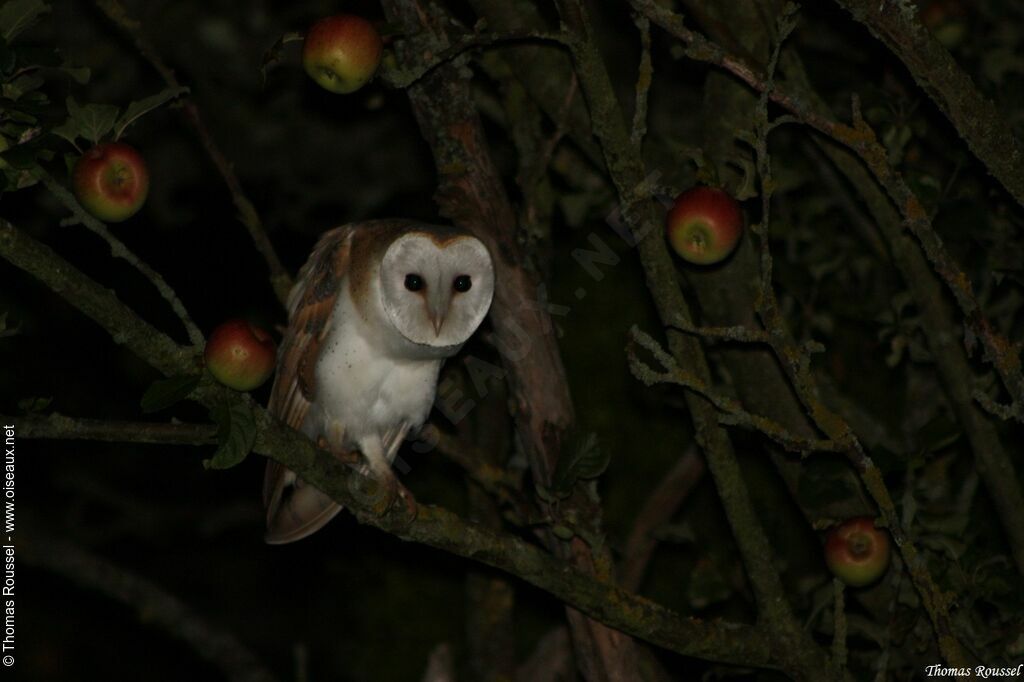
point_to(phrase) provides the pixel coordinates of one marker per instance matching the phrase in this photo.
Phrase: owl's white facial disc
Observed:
(436, 294)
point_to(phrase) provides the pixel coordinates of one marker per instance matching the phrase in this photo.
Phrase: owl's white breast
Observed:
(367, 382)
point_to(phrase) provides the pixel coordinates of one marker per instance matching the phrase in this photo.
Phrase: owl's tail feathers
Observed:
(295, 509)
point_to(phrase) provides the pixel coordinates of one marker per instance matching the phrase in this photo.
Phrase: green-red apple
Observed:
(240, 355)
(341, 53)
(704, 225)
(857, 552)
(111, 181)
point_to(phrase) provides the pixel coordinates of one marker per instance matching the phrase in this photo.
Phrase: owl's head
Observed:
(436, 288)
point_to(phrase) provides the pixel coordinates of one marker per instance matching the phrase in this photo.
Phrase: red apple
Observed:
(857, 552)
(111, 181)
(704, 225)
(341, 53)
(239, 355)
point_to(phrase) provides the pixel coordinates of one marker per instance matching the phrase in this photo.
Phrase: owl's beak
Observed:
(437, 308)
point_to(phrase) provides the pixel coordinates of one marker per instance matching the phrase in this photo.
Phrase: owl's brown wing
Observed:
(294, 515)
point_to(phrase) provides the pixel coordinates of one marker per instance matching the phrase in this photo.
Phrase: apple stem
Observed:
(860, 545)
(699, 242)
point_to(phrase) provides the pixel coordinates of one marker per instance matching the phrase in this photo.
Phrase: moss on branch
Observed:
(432, 526)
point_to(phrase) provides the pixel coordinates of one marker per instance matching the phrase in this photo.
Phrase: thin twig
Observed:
(629, 176)
(644, 76)
(96, 301)
(153, 603)
(537, 167)
(476, 464)
(402, 78)
(797, 366)
(735, 333)
(733, 412)
(659, 507)
(118, 249)
(551, 659)
(976, 118)
(940, 325)
(280, 280)
(431, 525)
(158, 433)
(861, 139)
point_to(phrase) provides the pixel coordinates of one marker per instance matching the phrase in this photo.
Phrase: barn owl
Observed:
(377, 308)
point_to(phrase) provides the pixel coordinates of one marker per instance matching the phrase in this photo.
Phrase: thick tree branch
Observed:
(993, 461)
(97, 302)
(627, 171)
(1003, 355)
(860, 139)
(471, 194)
(976, 118)
(118, 249)
(796, 365)
(432, 526)
(728, 293)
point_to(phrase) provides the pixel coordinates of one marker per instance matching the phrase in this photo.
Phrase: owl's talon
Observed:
(389, 492)
(347, 456)
(409, 500)
(385, 494)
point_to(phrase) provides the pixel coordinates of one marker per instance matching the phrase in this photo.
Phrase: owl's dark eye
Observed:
(413, 282)
(462, 283)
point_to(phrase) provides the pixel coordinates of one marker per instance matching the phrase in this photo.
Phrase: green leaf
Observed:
(166, 392)
(79, 74)
(30, 405)
(582, 460)
(18, 15)
(591, 460)
(545, 494)
(68, 130)
(91, 121)
(24, 156)
(143, 106)
(236, 436)
(563, 532)
(21, 85)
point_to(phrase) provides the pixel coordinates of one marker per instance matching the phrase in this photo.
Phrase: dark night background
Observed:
(353, 603)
